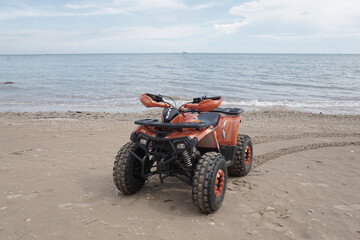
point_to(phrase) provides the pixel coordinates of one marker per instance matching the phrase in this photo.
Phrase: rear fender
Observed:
(227, 130)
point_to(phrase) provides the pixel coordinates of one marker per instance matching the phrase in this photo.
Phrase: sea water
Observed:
(113, 82)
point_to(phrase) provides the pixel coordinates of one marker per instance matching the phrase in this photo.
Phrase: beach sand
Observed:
(56, 181)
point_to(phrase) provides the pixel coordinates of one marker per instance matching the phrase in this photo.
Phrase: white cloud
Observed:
(79, 6)
(229, 28)
(133, 5)
(157, 4)
(36, 12)
(203, 6)
(300, 16)
(314, 36)
(149, 32)
(111, 7)
(120, 39)
(28, 12)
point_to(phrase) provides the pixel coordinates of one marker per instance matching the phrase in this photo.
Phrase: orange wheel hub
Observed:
(247, 155)
(219, 182)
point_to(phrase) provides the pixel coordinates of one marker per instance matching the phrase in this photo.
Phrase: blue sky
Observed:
(146, 26)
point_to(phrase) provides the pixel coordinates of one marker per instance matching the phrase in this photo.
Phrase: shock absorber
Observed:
(187, 159)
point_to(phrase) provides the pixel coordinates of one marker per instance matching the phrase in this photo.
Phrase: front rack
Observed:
(158, 124)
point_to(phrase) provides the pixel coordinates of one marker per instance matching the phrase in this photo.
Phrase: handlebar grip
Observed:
(156, 98)
(213, 98)
(198, 100)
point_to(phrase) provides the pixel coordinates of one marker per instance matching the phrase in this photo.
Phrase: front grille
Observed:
(164, 145)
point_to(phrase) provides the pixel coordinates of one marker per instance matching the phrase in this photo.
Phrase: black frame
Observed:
(163, 159)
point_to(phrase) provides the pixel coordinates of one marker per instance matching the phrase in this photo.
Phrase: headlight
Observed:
(143, 141)
(180, 146)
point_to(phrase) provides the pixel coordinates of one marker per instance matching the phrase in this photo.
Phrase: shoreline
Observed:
(343, 109)
(155, 113)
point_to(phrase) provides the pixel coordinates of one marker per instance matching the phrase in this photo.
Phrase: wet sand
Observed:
(56, 181)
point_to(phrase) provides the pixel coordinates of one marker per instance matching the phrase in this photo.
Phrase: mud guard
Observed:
(228, 152)
(207, 139)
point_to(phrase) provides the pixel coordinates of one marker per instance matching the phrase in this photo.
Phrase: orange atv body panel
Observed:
(206, 136)
(221, 136)
(227, 130)
(225, 133)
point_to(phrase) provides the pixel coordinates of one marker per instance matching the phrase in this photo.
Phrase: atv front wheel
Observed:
(209, 182)
(243, 156)
(127, 169)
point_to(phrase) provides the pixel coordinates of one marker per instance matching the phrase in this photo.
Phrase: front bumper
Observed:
(170, 145)
(163, 151)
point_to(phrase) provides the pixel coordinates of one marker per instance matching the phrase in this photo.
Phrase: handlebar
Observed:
(203, 104)
(156, 98)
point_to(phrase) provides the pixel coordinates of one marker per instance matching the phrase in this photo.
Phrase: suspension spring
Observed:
(187, 159)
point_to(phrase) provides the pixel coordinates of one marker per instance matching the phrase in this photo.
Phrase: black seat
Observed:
(211, 118)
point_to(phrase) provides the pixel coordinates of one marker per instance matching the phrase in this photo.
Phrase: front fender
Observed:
(207, 139)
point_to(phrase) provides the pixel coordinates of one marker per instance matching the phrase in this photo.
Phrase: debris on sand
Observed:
(289, 234)
(286, 215)
(252, 232)
(311, 210)
(269, 209)
(65, 205)
(14, 196)
(92, 221)
(347, 214)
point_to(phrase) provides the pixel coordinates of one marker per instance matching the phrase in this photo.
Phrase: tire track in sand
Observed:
(263, 158)
(283, 137)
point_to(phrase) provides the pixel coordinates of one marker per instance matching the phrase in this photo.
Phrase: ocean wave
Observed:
(345, 107)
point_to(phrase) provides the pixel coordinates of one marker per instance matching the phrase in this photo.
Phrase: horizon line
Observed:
(184, 52)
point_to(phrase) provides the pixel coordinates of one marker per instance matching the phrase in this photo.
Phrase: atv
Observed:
(198, 143)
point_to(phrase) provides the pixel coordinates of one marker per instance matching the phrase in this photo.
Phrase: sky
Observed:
(167, 26)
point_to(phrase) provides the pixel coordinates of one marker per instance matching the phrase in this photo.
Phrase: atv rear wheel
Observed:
(209, 182)
(127, 169)
(243, 156)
